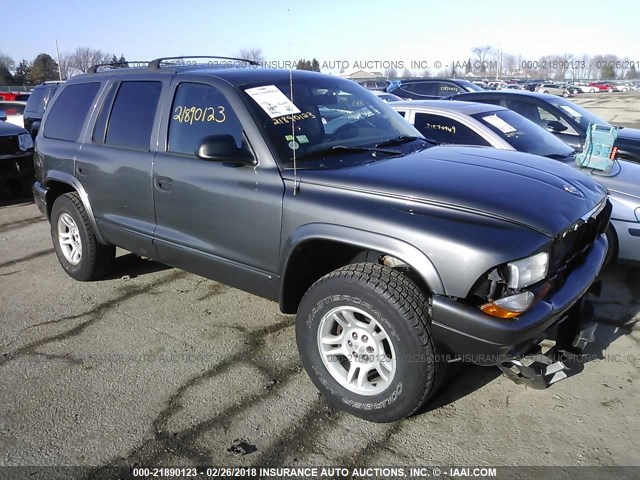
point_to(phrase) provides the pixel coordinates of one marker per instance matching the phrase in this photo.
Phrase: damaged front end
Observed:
(526, 316)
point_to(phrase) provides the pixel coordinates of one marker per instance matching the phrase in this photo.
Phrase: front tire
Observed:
(364, 337)
(74, 240)
(612, 252)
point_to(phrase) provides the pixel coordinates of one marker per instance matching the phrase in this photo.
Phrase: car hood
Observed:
(487, 181)
(632, 134)
(624, 178)
(7, 128)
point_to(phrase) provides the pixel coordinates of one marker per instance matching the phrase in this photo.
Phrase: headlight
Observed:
(25, 142)
(527, 271)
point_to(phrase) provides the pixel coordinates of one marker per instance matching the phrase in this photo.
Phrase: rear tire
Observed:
(74, 240)
(364, 337)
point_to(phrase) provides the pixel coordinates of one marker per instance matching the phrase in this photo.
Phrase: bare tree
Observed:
(509, 65)
(254, 54)
(406, 73)
(6, 61)
(85, 57)
(483, 53)
(67, 66)
(391, 74)
(426, 73)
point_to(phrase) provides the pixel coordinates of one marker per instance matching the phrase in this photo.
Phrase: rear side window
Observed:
(35, 103)
(69, 112)
(446, 130)
(132, 115)
(423, 88)
(447, 89)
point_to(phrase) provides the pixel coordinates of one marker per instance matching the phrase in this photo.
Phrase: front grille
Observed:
(9, 145)
(573, 244)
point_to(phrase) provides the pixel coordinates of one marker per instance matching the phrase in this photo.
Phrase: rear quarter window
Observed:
(70, 110)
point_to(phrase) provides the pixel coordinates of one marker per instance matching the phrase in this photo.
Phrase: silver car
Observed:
(444, 121)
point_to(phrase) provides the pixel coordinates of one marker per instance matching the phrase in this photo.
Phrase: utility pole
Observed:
(58, 52)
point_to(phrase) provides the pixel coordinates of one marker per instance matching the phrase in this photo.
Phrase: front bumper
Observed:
(40, 197)
(485, 340)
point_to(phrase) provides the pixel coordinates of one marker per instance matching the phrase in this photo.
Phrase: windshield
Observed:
(524, 135)
(577, 113)
(326, 113)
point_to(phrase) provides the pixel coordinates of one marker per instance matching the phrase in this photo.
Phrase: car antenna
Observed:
(296, 183)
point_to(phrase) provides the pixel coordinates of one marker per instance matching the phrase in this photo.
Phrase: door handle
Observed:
(164, 183)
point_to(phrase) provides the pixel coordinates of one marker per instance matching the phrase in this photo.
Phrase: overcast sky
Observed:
(342, 30)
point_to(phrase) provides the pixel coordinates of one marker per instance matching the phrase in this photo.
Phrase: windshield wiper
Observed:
(337, 149)
(403, 139)
(558, 156)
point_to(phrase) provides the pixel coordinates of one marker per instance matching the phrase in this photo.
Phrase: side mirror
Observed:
(555, 126)
(3, 115)
(223, 148)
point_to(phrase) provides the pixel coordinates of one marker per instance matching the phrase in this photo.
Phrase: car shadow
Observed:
(131, 265)
(7, 199)
(616, 309)
(460, 379)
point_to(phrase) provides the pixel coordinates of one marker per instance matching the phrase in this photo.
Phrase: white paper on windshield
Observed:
(570, 111)
(272, 101)
(499, 123)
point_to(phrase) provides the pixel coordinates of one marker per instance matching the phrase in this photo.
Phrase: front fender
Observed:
(366, 241)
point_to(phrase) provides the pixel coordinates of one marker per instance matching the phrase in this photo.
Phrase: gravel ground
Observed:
(155, 366)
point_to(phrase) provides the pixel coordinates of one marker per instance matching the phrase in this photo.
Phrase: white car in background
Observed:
(387, 97)
(13, 112)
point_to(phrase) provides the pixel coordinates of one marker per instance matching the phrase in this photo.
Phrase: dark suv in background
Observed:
(36, 105)
(426, 88)
(308, 190)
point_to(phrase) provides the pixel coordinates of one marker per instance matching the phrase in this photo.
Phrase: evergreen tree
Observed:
(43, 68)
(5, 76)
(23, 73)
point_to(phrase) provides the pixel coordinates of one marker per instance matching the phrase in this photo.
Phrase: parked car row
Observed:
(20, 116)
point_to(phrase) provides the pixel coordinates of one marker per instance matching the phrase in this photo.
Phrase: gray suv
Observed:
(396, 255)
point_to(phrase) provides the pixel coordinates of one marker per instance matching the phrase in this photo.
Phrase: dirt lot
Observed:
(155, 366)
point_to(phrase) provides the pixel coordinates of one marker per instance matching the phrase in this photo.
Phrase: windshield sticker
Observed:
(499, 123)
(272, 101)
(296, 118)
(303, 139)
(298, 139)
(294, 145)
(184, 114)
(444, 128)
(570, 111)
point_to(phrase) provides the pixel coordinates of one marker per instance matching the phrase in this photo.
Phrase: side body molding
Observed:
(57, 176)
(365, 240)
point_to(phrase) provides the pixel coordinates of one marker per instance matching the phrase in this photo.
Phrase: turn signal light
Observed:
(509, 307)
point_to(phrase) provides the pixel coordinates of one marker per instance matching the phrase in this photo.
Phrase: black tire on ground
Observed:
(96, 259)
(612, 252)
(401, 309)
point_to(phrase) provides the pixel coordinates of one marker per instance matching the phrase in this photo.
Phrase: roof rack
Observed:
(155, 64)
(128, 63)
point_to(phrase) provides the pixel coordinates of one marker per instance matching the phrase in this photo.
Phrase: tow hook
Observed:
(537, 371)
(541, 370)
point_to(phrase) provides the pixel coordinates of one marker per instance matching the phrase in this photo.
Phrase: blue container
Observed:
(597, 148)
